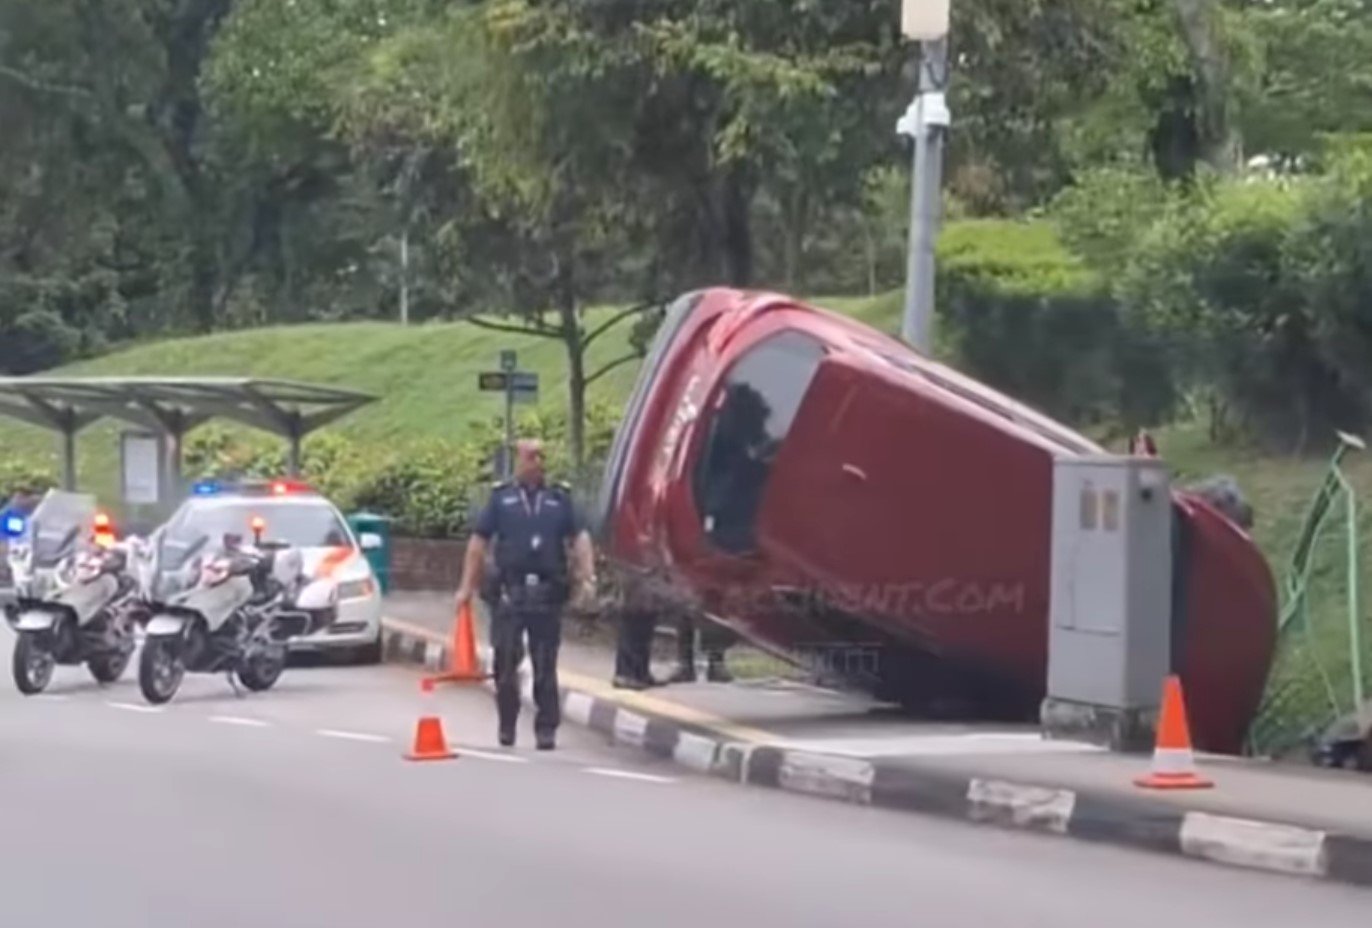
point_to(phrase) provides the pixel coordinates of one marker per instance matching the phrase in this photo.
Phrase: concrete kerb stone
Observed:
(1135, 822)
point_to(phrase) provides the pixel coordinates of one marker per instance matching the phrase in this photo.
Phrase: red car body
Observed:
(826, 492)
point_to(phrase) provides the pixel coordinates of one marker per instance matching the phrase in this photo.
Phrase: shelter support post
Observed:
(175, 442)
(69, 455)
(295, 436)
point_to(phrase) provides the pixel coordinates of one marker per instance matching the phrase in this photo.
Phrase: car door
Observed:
(905, 508)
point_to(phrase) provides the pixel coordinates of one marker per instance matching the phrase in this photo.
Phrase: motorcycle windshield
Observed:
(58, 525)
(176, 549)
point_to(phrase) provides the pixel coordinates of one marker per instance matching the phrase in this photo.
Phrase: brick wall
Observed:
(422, 564)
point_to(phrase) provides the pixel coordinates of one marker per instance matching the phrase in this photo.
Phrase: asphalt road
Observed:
(294, 809)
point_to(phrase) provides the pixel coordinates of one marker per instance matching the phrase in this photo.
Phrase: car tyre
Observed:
(372, 652)
(108, 668)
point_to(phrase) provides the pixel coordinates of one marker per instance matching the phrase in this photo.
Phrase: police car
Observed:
(292, 513)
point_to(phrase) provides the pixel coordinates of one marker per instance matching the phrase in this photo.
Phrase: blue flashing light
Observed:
(205, 488)
(13, 526)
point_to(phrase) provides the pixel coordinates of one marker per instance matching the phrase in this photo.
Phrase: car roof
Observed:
(226, 499)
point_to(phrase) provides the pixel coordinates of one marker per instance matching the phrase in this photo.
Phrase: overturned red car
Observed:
(838, 499)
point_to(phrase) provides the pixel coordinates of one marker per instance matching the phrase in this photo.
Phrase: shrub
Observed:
(23, 474)
(431, 489)
(1261, 290)
(35, 341)
(1029, 318)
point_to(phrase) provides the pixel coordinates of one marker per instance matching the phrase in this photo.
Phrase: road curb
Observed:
(1138, 823)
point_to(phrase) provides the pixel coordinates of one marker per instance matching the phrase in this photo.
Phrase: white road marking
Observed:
(485, 755)
(239, 720)
(133, 707)
(628, 775)
(352, 736)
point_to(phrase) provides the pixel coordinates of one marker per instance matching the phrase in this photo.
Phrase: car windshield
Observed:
(304, 524)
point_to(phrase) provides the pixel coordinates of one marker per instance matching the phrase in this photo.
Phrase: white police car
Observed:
(292, 513)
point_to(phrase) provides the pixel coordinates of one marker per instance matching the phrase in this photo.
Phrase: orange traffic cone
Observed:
(429, 741)
(463, 665)
(1174, 764)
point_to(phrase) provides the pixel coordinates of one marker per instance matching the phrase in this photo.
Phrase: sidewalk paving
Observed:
(786, 735)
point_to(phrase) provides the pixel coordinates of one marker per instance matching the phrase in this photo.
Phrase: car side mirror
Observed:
(370, 541)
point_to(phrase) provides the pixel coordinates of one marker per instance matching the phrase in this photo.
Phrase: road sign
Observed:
(518, 387)
(925, 20)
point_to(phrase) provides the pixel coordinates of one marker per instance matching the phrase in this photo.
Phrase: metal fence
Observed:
(1319, 678)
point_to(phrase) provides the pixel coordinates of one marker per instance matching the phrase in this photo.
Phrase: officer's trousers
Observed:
(633, 651)
(542, 624)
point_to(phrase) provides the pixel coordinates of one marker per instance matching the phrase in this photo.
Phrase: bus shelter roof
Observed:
(176, 404)
(172, 406)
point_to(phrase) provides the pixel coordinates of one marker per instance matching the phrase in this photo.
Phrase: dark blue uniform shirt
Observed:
(531, 525)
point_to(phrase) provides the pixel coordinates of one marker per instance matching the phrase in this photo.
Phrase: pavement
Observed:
(797, 738)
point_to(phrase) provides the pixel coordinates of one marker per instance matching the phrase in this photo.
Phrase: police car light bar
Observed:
(13, 526)
(252, 488)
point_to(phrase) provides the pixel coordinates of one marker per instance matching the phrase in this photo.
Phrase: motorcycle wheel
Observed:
(108, 668)
(160, 671)
(261, 672)
(33, 664)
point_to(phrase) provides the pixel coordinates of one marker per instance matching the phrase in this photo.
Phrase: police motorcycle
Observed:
(76, 599)
(228, 608)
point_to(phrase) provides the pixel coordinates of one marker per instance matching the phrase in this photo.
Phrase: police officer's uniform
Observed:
(531, 526)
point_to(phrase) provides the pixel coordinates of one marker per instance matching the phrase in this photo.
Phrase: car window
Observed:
(762, 394)
(300, 525)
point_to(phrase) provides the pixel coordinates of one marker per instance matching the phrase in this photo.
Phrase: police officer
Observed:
(714, 641)
(535, 527)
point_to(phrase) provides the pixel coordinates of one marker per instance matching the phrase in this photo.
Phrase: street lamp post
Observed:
(926, 121)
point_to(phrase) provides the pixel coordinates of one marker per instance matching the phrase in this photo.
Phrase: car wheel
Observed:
(372, 653)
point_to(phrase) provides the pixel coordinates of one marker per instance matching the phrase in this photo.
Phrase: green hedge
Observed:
(1026, 316)
(18, 473)
(430, 488)
(1261, 292)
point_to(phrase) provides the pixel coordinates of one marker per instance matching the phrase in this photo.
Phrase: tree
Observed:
(1217, 126)
(1315, 78)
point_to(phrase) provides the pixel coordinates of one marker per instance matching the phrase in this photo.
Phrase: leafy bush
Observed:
(1262, 290)
(22, 474)
(1029, 318)
(431, 489)
(35, 341)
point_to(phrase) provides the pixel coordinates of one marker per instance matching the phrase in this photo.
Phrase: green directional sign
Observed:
(518, 387)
